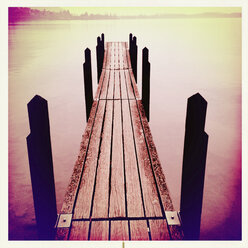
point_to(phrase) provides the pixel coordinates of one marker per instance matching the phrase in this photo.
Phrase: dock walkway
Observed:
(117, 190)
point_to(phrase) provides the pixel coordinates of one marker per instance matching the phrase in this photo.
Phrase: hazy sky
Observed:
(146, 10)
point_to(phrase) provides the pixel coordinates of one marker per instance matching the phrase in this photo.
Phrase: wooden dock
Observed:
(117, 190)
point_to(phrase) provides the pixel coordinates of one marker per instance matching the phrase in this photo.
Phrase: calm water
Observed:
(186, 55)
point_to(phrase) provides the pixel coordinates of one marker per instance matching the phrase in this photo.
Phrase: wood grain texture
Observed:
(117, 193)
(83, 204)
(176, 232)
(134, 200)
(99, 230)
(129, 86)
(101, 197)
(99, 88)
(79, 230)
(139, 230)
(72, 188)
(151, 200)
(159, 230)
(104, 89)
(134, 85)
(62, 233)
(123, 85)
(158, 172)
(128, 57)
(119, 230)
(117, 93)
(111, 86)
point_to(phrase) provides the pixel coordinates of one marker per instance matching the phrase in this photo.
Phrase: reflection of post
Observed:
(88, 82)
(146, 82)
(41, 167)
(194, 161)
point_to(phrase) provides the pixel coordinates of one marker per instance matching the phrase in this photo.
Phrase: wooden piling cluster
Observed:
(117, 190)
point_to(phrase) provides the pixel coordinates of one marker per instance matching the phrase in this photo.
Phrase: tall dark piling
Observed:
(99, 55)
(88, 82)
(194, 161)
(133, 51)
(41, 167)
(146, 82)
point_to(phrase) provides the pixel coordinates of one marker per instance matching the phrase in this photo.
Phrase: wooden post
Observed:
(194, 161)
(130, 42)
(99, 55)
(134, 60)
(146, 82)
(88, 82)
(41, 167)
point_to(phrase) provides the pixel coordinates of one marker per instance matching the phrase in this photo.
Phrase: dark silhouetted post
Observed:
(146, 82)
(130, 42)
(134, 57)
(88, 82)
(41, 167)
(99, 55)
(194, 161)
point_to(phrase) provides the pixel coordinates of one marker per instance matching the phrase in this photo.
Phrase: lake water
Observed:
(186, 55)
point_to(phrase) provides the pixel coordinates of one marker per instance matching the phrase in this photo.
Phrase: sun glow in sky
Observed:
(147, 10)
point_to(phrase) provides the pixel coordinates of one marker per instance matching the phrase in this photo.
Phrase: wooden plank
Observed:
(111, 86)
(104, 90)
(156, 165)
(134, 85)
(105, 59)
(99, 230)
(119, 230)
(139, 230)
(83, 203)
(117, 85)
(98, 91)
(159, 230)
(176, 232)
(150, 195)
(72, 188)
(123, 85)
(116, 65)
(112, 61)
(128, 57)
(120, 56)
(79, 230)
(134, 200)
(62, 233)
(129, 85)
(124, 55)
(101, 197)
(109, 55)
(117, 195)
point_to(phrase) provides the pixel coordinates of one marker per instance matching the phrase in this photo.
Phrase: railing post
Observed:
(88, 82)
(194, 161)
(134, 60)
(146, 82)
(41, 167)
(99, 55)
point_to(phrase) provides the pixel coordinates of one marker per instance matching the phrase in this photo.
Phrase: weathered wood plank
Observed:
(134, 200)
(100, 85)
(110, 94)
(119, 230)
(158, 172)
(134, 85)
(129, 86)
(104, 90)
(79, 230)
(117, 64)
(117, 85)
(120, 56)
(83, 203)
(62, 233)
(72, 188)
(176, 232)
(99, 230)
(123, 85)
(159, 230)
(105, 59)
(101, 197)
(139, 230)
(112, 61)
(128, 57)
(117, 193)
(150, 195)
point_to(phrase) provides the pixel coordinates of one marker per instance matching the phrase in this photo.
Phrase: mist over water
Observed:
(186, 55)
